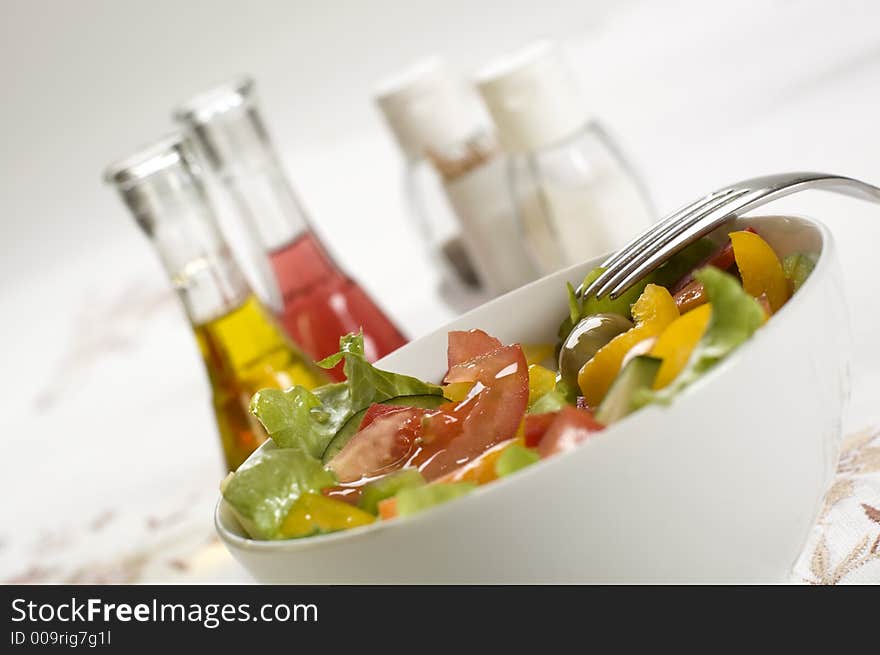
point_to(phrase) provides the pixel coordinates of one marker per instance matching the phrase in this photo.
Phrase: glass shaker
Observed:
(456, 177)
(577, 196)
(426, 107)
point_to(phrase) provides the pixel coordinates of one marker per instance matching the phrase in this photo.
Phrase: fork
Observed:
(670, 235)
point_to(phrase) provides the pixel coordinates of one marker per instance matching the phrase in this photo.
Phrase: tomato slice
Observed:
(438, 441)
(381, 447)
(378, 409)
(570, 427)
(466, 345)
(491, 413)
(536, 427)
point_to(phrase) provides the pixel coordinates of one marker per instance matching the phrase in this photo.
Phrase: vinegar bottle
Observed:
(576, 195)
(320, 302)
(242, 347)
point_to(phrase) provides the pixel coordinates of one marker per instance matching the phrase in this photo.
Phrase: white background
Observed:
(110, 462)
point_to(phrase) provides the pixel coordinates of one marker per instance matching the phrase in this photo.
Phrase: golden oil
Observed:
(245, 351)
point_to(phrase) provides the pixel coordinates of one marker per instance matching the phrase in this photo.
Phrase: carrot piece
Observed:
(388, 508)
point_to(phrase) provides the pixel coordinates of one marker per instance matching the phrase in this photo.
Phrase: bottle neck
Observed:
(210, 286)
(266, 201)
(237, 148)
(175, 214)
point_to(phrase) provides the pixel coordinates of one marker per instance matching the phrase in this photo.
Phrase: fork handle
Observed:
(847, 186)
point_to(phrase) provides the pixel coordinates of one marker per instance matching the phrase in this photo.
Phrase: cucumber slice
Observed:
(388, 486)
(636, 376)
(350, 427)
(797, 268)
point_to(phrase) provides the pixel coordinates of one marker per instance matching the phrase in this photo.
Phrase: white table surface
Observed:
(110, 460)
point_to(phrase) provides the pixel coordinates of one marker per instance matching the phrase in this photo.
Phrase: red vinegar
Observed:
(321, 303)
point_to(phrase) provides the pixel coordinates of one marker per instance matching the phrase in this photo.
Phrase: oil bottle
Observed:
(242, 347)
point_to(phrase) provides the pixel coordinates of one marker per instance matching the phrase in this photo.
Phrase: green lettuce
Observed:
(298, 417)
(797, 268)
(263, 489)
(554, 400)
(666, 275)
(735, 317)
(388, 486)
(366, 383)
(514, 458)
(684, 262)
(579, 308)
(416, 499)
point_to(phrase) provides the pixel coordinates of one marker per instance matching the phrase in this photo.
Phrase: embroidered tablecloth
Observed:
(844, 546)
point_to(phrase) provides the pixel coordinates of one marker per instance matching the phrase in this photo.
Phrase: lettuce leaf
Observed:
(554, 400)
(298, 417)
(265, 487)
(366, 383)
(579, 308)
(303, 418)
(797, 268)
(416, 499)
(666, 275)
(684, 262)
(387, 486)
(514, 458)
(735, 317)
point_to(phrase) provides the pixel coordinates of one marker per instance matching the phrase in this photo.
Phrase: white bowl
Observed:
(721, 486)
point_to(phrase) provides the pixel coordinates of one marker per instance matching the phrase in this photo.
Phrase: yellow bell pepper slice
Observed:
(457, 391)
(760, 268)
(541, 381)
(676, 343)
(652, 312)
(315, 513)
(535, 353)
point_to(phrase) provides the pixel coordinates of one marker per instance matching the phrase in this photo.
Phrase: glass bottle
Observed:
(320, 302)
(426, 107)
(449, 144)
(576, 195)
(242, 347)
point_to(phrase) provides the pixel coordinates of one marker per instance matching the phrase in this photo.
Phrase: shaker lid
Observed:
(427, 106)
(532, 97)
(160, 155)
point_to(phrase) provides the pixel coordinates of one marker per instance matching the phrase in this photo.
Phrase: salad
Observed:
(382, 445)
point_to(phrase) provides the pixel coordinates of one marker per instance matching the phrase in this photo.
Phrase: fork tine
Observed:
(647, 237)
(654, 227)
(636, 260)
(670, 235)
(696, 229)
